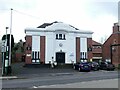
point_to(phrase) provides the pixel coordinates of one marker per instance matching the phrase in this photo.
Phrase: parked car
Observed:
(107, 66)
(94, 66)
(82, 66)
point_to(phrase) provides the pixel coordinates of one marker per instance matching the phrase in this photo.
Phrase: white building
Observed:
(57, 42)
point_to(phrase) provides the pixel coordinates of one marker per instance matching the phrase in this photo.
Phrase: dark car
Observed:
(94, 66)
(106, 66)
(82, 66)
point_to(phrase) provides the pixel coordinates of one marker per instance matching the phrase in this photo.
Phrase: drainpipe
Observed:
(111, 53)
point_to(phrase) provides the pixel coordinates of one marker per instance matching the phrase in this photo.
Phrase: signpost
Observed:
(4, 57)
(7, 44)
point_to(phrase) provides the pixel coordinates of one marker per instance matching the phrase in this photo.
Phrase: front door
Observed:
(60, 57)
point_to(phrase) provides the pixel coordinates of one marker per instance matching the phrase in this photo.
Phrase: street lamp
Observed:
(10, 39)
(6, 35)
(9, 62)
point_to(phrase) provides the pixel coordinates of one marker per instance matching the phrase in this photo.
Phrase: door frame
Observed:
(61, 53)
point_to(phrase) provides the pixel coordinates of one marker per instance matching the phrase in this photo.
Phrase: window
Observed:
(98, 46)
(35, 56)
(83, 55)
(64, 36)
(60, 36)
(56, 36)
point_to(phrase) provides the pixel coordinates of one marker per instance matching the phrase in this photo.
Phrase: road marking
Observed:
(8, 77)
(34, 87)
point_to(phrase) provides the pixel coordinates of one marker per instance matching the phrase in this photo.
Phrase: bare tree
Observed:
(103, 39)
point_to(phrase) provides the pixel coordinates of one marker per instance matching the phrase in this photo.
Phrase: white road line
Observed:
(34, 87)
(8, 77)
(48, 86)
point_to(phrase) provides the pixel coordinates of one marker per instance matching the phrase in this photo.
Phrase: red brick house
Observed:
(97, 51)
(111, 47)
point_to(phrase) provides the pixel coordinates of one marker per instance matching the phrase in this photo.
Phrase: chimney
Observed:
(115, 28)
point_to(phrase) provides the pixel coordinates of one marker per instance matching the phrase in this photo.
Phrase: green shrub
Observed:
(118, 66)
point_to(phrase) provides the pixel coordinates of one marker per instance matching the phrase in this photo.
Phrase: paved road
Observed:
(108, 83)
(30, 77)
(59, 78)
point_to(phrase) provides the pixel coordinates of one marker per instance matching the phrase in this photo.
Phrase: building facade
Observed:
(57, 42)
(111, 47)
(97, 51)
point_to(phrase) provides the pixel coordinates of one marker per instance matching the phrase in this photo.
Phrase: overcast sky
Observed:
(94, 15)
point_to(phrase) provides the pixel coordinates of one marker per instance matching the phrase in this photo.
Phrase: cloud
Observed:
(83, 14)
(18, 4)
(103, 26)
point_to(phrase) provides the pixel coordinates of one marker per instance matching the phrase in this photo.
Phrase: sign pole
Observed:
(3, 57)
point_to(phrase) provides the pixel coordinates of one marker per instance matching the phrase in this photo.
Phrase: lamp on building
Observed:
(113, 49)
(28, 47)
(89, 48)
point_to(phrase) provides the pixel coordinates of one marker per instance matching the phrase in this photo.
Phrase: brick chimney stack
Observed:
(116, 28)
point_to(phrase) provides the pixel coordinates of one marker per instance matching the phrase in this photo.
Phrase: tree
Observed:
(103, 39)
(18, 50)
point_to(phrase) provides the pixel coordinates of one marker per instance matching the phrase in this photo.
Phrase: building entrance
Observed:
(60, 57)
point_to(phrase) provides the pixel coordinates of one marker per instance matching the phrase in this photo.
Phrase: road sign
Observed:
(3, 46)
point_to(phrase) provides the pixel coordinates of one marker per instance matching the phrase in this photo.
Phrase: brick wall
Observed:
(106, 46)
(97, 54)
(89, 45)
(114, 52)
(28, 52)
(42, 49)
(115, 28)
(77, 49)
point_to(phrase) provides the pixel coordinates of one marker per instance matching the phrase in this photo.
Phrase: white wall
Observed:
(36, 48)
(83, 44)
(71, 48)
(49, 47)
(35, 43)
(83, 47)
(68, 47)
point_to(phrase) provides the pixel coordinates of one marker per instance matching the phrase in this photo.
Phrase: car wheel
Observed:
(79, 69)
(74, 67)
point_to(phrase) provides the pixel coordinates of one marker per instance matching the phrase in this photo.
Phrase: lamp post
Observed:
(9, 67)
